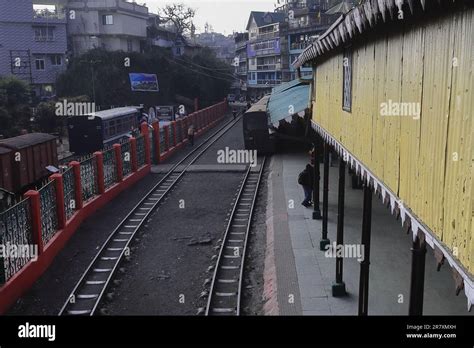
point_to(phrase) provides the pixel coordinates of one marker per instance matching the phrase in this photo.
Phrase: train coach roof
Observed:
(27, 140)
(285, 86)
(260, 106)
(4, 150)
(117, 112)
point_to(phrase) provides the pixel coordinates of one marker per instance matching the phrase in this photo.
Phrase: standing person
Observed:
(306, 179)
(191, 135)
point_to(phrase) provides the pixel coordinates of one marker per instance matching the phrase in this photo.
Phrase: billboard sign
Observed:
(144, 82)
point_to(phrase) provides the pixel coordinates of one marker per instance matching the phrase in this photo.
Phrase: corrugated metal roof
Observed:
(106, 114)
(291, 84)
(261, 105)
(342, 7)
(293, 98)
(26, 140)
(365, 17)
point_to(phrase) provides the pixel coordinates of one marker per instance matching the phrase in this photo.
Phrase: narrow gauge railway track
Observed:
(226, 286)
(88, 292)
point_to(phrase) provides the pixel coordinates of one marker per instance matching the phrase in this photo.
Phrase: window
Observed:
(56, 59)
(107, 20)
(129, 45)
(347, 80)
(112, 128)
(44, 33)
(39, 62)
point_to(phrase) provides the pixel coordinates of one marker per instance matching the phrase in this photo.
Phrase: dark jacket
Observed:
(306, 177)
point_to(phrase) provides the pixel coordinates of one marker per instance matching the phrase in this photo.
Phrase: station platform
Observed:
(298, 276)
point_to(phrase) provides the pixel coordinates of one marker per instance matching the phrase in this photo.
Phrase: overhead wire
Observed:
(204, 67)
(204, 74)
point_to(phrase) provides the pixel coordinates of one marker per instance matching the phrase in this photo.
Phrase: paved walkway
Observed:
(302, 275)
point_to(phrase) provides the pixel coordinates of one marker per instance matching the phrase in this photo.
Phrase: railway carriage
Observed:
(24, 160)
(91, 133)
(257, 131)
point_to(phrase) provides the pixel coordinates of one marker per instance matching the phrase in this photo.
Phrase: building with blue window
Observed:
(240, 64)
(33, 42)
(276, 39)
(264, 52)
(305, 21)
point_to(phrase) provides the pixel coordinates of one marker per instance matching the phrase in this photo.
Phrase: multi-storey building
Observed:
(276, 39)
(33, 42)
(114, 25)
(264, 52)
(305, 21)
(240, 63)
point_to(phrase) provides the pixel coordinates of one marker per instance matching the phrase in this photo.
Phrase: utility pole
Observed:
(92, 64)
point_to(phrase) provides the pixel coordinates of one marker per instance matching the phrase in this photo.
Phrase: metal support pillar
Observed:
(417, 285)
(364, 265)
(317, 179)
(323, 244)
(339, 287)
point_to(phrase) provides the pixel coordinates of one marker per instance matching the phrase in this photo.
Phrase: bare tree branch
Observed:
(180, 15)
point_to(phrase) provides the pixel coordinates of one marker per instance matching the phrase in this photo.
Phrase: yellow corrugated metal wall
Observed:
(428, 161)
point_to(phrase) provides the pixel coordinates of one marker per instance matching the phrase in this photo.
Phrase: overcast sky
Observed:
(225, 16)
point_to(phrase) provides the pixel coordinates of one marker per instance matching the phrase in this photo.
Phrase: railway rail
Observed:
(226, 286)
(90, 289)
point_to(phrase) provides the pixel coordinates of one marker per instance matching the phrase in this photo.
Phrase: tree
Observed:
(15, 112)
(181, 16)
(208, 28)
(200, 76)
(46, 118)
(16, 91)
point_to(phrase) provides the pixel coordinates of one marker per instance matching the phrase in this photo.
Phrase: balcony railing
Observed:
(269, 67)
(48, 15)
(268, 82)
(310, 23)
(270, 35)
(241, 45)
(298, 6)
(241, 71)
(299, 45)
(44, 38)
(264, 52)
